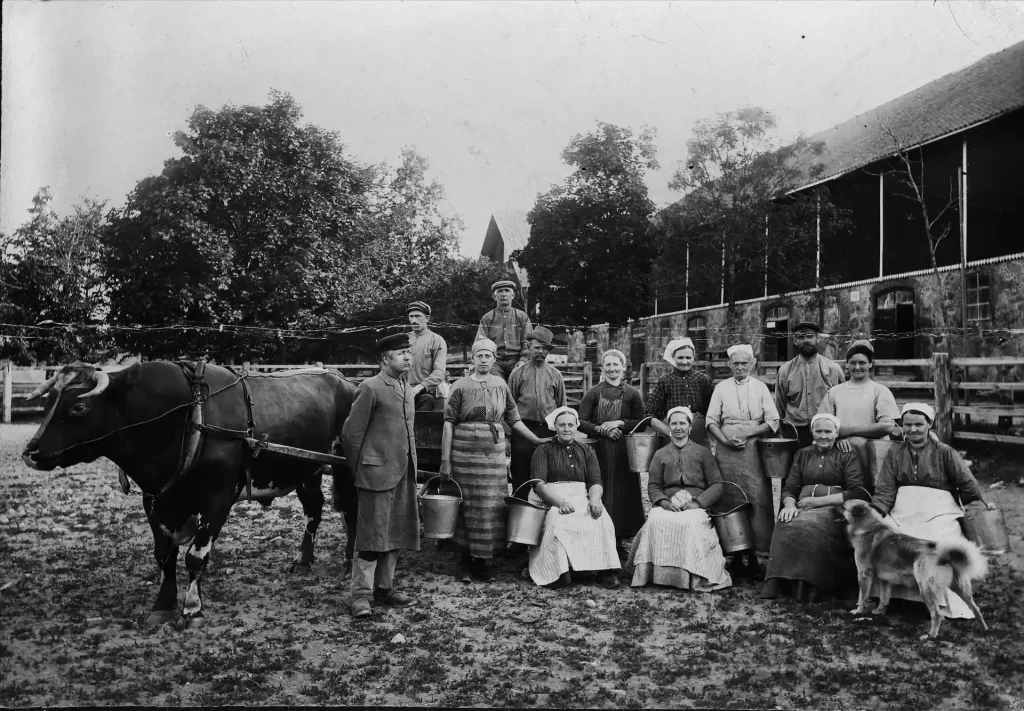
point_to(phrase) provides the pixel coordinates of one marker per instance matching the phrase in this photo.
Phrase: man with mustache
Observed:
(802, 383)
(508, 327)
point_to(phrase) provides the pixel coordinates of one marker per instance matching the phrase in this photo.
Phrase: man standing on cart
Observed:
(429, 355)
(381, 449)
(508, 327)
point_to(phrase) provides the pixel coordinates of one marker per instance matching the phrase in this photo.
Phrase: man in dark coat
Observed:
(380, 447)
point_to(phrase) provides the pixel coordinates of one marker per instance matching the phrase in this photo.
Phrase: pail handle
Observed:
(746, 501)
(641, 423)
(524, 484)
(795, 430)
(426, 486)
(897, 426)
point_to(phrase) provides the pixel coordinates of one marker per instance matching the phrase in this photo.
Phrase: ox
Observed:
(178, 431)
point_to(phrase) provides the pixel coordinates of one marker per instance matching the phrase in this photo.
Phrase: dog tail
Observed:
(964, 557)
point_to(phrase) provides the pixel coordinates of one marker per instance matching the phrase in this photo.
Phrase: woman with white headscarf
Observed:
(578, 533)
(741, 410)
(809, 545)
(678, 545)
(918, 487)
(473, 453)
(683, 386)
(609, 410)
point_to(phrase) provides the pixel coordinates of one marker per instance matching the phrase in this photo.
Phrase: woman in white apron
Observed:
(578, 532)
(742, 409)
(918, 487)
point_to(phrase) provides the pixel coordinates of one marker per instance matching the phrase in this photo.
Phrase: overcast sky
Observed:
(489, 92)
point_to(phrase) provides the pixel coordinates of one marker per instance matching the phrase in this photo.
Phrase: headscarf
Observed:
(740, 348)
(674, 345)
(683, 409)
(485, 344)
(553, 415)
(863, 347)
(825, 416)
(920, 408)
(617, 353)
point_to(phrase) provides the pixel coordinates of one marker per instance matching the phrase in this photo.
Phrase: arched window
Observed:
(776, 333)
(895, 324)
(697, 331)
(979, 299)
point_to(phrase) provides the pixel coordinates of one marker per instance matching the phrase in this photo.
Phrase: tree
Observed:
(738, 227)
(52, 298)
(248, 236)
(590, 248)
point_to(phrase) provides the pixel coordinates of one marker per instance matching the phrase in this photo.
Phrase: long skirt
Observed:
(478, 466)
(680, 549)
(814, 548)
(743, 467)
(389, 520)
(576, 540)
(931, 514)
(621, 487)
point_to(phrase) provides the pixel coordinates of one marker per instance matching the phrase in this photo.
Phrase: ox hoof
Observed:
(299, 568)
(195, 623)
(160, 617)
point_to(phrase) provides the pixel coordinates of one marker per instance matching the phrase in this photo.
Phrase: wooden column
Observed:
(588, 378)
(8, 391)
(943, 401)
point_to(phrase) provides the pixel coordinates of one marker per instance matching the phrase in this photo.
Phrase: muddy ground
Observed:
(78, 552)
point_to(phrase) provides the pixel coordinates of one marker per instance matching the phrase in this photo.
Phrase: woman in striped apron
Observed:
(578, 532)
(473, 453)
(678, 545)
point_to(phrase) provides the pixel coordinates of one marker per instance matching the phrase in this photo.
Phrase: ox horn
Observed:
(42, 389)
(102, 381)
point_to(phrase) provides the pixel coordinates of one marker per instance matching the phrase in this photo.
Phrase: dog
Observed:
(892, 558)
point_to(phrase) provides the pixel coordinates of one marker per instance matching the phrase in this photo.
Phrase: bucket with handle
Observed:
(440, 511)
(640, 447)
(987, 529)
(733, 527)
(525, 519)
(777, 453)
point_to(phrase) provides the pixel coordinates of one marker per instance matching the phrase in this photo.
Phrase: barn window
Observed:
(895, 324)
(776, 334)
(979, 300)
(697, 331)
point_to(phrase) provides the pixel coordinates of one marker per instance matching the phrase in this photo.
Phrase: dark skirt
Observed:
(812, 547)
(621, 487)
(522, 454)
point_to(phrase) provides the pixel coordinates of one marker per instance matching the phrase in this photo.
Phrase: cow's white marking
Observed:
(201, 553)
(193, 603)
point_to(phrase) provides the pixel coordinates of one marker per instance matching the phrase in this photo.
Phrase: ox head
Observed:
(78, 410)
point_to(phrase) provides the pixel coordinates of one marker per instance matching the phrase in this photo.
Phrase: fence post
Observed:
(588, 377)
(8, 391)
(943, 402)
(245, 366)
(643, 380)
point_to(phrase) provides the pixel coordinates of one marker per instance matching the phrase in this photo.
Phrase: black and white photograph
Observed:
(541, 354)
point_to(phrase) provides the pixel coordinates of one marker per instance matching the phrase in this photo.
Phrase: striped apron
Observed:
(575, 540)
(478, 465)
(678, 548)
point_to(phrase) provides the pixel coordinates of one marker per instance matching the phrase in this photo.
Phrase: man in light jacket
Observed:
(429, 355)
(380, 447)
(802, 383)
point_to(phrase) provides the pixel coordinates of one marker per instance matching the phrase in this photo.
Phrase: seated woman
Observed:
(578, 533)
(678, 545)
(809, 545)
(866, 408)
(915, 486)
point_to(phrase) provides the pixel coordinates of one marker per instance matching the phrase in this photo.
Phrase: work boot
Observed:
(360, 607)
(609, 580)
(481, 570)
(464, 573)
(391, 597)
(770, 589)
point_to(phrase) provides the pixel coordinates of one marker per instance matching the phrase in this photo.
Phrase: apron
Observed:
(743, 467)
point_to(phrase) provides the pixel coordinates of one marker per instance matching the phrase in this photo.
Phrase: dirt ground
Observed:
(79, 554)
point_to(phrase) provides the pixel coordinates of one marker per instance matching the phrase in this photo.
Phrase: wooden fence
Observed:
(947, 383)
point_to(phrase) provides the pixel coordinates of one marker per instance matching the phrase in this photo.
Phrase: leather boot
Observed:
(770, 589)
(362, 586)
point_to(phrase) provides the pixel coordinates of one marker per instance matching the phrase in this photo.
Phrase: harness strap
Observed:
(191, 437)
(250, 430)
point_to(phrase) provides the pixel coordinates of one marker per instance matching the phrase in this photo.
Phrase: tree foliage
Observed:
(738, 219)
(52, 297)
(590, 248)
(254, 227)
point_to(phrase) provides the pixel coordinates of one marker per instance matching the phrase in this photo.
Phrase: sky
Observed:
(489, 92)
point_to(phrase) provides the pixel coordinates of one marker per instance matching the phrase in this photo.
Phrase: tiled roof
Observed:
(514, 228)
(989, 88)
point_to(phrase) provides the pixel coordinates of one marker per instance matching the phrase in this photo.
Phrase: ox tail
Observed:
(964, 557)
(343, 490)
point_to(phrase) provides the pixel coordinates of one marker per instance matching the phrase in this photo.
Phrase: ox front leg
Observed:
(311, 496)
(165, 607)
(208, 526)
